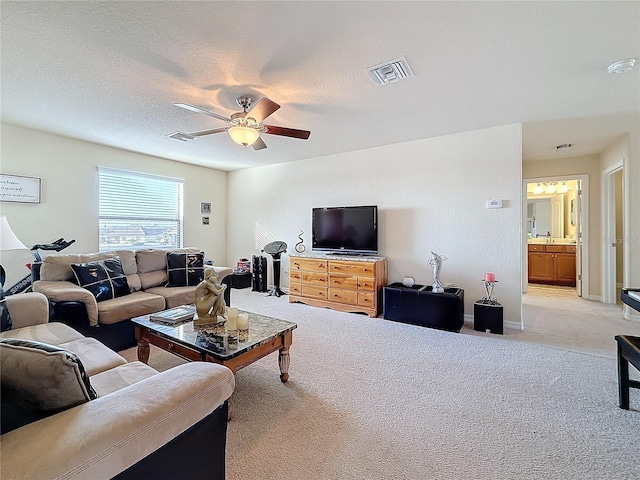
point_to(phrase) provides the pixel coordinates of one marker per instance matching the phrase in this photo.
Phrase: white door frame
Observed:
(609, 231)
(583, 219)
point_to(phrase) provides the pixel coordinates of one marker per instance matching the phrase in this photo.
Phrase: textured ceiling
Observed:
(109, 72)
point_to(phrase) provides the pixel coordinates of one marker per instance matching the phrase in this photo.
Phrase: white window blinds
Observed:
(138, 210)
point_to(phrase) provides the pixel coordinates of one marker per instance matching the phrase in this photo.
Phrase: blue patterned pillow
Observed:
(184, 269)
(105, 279)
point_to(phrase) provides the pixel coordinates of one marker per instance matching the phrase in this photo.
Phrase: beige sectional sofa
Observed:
(143, 424)
(109, 320)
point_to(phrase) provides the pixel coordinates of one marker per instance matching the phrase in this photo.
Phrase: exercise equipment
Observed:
(276, 249)
(25, 284)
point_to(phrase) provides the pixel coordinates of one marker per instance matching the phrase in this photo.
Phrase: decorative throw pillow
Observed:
(184, 269)
(105, 279)
(39, 380)
(5, 318)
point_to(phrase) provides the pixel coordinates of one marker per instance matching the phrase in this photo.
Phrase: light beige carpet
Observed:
(373, 399)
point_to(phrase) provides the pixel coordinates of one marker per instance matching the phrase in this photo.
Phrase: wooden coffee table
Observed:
(266, 335)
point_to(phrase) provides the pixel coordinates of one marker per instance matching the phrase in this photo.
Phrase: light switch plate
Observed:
(494, 203)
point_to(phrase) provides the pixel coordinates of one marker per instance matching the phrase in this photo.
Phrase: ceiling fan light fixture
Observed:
(244, 135)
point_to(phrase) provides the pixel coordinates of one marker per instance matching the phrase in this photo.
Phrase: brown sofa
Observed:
(143, 424)
(109, 320)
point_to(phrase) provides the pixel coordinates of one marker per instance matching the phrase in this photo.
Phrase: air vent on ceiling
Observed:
(390, 72)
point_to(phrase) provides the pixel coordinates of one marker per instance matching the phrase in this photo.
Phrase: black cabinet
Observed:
(418, 305)
(241, 280)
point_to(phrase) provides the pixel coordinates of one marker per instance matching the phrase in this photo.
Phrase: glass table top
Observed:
(262, 329)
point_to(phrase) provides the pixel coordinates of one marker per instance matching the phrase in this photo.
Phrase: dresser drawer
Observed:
(367, 284)
(366, 299)
(295, 276)
(359, 269)
(343, 296)
(308, 265)
(312, 278)
(343, 281)
(312, 291)
(295, 288)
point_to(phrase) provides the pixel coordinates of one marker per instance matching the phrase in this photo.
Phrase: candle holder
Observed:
(488, 298)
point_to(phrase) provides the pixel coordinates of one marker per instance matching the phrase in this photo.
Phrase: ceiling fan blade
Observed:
(192, 108)
(259, 144)
(287, 132)
(262, 109)
(207, 132)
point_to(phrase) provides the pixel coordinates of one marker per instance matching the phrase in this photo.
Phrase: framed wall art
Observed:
(16, 188)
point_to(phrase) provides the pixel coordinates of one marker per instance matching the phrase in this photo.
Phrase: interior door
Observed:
(579, 237)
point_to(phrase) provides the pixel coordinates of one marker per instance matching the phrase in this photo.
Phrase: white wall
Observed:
(69, 206)
(431, 195)
(627, 149)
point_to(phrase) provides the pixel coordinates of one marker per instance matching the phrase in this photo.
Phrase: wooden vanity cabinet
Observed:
(552, 264)
(341, 284)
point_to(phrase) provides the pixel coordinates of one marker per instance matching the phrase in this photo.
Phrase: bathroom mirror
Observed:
(545, 214)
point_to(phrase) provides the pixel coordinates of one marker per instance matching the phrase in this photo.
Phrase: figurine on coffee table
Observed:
(209, 300)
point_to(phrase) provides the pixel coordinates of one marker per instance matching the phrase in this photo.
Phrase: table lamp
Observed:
(8, 241)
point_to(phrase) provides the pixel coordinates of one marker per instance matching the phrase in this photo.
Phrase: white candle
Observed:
(232, 312)
(243, 321)
(232, 321)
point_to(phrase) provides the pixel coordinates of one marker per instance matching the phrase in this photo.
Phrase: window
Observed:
(139, 210)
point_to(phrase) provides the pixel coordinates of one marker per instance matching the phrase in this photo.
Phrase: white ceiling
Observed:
(109, 72)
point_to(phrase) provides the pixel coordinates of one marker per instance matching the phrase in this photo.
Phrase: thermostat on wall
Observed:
(494, 203)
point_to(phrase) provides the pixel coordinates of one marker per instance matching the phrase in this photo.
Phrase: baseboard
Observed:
(595, 298)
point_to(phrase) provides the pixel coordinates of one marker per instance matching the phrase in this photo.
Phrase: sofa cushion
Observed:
(121, 377)
(129, 306)
(53, 333)
(57, 267)
(42, 379)
(184, 269)
(95, 356)
(5, 318)
(174, 296)
(105, 279)
(153, 279)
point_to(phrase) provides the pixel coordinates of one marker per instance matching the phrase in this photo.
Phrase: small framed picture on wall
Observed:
(205, 207)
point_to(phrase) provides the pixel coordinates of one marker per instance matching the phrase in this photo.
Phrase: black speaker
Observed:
(259, 273)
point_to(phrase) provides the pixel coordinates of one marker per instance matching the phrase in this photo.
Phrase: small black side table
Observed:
(487, 316)
(241, 280)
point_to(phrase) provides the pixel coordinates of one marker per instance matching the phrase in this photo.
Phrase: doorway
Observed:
(556, 226)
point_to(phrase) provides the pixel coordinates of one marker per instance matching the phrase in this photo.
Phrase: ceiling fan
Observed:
(246, 126)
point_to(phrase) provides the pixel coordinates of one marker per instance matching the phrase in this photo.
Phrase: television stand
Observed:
(348, 285)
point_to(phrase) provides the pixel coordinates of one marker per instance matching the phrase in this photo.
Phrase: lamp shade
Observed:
(244, 135)
(8, 239)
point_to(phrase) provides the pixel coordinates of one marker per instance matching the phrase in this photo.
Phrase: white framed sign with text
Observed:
(16, 188)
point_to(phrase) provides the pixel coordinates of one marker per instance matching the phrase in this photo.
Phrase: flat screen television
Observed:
(349, 230)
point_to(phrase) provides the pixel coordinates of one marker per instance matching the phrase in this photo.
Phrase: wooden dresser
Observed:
(552, 264)
(347, 284)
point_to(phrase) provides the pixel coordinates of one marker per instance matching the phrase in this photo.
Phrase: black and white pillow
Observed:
(184, 269)
(105, 279)
(39, 380)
